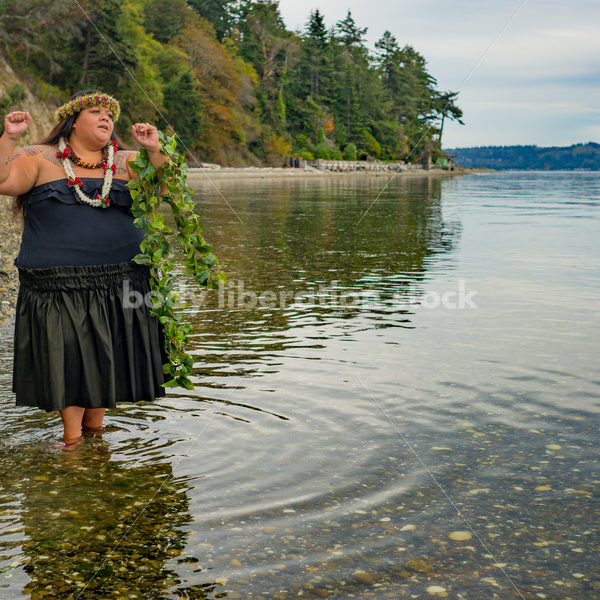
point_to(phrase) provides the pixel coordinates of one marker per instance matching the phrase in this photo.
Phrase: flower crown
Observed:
(78, 104)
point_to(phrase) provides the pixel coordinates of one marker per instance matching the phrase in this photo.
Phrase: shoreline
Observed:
(11, 227)
(197, 174)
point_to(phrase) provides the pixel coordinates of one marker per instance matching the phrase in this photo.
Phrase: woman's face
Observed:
(95, 124)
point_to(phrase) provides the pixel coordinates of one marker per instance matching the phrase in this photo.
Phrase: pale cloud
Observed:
(590, 132)
(538, 82)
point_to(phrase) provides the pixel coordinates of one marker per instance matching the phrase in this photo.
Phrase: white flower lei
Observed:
(101, 199)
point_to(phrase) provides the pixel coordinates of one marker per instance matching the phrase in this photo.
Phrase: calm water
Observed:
(417, 416)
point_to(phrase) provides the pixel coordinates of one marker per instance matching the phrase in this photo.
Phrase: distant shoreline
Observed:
(585, 157)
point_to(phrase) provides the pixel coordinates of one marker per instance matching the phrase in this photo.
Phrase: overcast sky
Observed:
(538, 83)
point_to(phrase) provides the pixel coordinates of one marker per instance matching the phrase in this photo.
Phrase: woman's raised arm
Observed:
(18, 170)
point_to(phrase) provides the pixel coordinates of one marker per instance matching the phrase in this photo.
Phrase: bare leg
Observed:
(71, 418)
(92, 420)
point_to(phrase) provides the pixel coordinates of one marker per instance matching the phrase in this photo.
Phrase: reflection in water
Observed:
(289, 471)
(321, 264)
(91, 527)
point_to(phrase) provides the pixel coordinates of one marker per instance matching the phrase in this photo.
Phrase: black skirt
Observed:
(84, 336)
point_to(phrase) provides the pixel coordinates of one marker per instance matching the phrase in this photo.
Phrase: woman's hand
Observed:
(146, 135)
(16, 123)
(18, 169)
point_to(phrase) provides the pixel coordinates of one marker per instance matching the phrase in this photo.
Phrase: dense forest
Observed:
(235, 84)
(577, 156)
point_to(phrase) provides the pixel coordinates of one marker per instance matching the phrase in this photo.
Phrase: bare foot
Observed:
(70, 445)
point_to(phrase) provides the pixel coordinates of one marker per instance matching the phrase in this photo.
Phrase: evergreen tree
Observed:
(221, 13)
(315, 59)
(183, 107)
(92, 57)
(166, 18)
(410, 92)
(265, 43)
(358, 102)
(310, 91)
(444, 106)
(27, 27)
(389, 63)
(348, 32)
(236, 85)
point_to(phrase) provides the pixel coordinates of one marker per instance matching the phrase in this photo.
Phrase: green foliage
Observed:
(264, 42)
(314, 63)
(350, 151)
(306, 155)
(301, 141)
(151, 189)
(224, 84)
(166, 18)
(20, 34)
(183, 107)
(12, 97)
(274, 149)
(321, 136)
(368, 143)
(88, 60)
(230, 78)
(349, 33)
(444, 105)
(322, 151)
(10, 101)
(281, 106)
(221, 13)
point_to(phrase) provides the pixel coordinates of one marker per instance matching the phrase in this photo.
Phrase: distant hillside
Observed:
(578, 156)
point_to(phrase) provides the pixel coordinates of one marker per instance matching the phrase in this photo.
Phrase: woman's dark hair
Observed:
(63, 128)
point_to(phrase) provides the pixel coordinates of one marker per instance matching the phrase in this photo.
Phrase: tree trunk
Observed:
(86, 56)
(442, 129)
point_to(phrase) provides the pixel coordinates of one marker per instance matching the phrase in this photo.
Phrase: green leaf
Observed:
(142, 259)
(171, 383)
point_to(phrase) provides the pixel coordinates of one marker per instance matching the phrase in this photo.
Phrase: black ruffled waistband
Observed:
(82, 277)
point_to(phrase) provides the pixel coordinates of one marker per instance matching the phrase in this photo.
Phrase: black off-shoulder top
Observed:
(62, 230)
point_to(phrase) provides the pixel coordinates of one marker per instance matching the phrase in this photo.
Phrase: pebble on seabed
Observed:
(362, 576)
(437, 590)
(460, 536)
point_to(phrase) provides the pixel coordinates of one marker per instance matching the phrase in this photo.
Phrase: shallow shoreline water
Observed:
(11, 227)
(306, 460)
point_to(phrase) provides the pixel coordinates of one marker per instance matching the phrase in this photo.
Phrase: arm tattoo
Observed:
(16, 154)
(121, 162)
(31, 150)
(49, 154)
(34, 151)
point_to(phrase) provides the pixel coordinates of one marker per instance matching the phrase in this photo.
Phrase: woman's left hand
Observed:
(146, 135)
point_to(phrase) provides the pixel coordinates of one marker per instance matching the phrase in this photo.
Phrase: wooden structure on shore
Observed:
(349, 165)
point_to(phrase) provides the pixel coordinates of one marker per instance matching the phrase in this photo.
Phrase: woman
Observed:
(79, 346)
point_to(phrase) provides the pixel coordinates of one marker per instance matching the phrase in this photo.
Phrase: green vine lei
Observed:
(204, 266)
